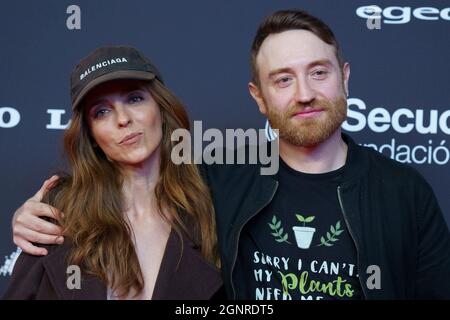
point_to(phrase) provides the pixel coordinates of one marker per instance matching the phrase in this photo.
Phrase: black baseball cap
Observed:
(106, 64)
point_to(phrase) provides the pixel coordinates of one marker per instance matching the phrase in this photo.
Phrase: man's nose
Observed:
(304, 93)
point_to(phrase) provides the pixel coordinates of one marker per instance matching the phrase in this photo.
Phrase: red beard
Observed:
(309, 132)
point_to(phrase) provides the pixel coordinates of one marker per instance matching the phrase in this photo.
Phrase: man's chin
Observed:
(302, 142)
(305, 124)
(305, 135)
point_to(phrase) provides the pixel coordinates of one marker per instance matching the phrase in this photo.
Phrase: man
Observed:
(338, 221)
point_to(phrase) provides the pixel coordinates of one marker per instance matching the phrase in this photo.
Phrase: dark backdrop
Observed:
(202, 48)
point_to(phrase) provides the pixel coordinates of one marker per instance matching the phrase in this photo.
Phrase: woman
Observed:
(133, 222)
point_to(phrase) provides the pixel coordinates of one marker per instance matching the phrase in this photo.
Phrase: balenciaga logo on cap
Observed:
(100, 65)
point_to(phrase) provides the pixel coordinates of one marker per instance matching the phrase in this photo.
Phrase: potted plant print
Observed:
(304, 235)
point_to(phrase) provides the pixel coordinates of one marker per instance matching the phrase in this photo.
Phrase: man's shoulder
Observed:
(243, 170)
(390, 169)
(243, 158)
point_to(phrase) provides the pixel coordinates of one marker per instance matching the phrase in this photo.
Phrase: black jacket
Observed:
(390, 210)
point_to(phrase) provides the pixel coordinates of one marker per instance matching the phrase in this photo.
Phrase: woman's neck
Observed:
(139, 188)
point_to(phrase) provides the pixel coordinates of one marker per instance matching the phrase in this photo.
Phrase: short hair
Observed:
(285, 20)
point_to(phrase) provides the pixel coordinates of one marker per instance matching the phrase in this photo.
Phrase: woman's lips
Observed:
(131, 138)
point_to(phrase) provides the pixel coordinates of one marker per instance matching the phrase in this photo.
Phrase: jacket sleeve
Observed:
(27, 278)
(433, 261)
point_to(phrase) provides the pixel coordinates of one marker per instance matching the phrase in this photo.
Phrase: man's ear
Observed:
(256, 93)
(345, 77)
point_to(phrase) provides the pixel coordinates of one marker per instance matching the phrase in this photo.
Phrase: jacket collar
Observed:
(183, 274)
(356, 163)
(265, 186)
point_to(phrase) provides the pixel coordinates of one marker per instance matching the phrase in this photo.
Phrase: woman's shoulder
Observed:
(31, 273)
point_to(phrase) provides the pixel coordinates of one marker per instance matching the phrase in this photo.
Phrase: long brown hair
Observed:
(92, 202)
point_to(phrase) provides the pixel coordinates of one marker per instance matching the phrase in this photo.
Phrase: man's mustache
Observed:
(316, 104)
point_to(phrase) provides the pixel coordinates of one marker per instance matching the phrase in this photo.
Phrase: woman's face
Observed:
(125, 121)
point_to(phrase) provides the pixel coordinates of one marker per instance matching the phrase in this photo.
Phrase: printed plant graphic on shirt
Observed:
(278, 231)
(331, 235)
(304, 235)
(291, 274)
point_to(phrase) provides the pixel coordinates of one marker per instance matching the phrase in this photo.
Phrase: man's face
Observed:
(302, 88)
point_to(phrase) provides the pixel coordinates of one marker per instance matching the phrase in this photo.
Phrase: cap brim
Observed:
(121, 74)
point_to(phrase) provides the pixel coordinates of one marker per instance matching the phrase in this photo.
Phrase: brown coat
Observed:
(44, 278)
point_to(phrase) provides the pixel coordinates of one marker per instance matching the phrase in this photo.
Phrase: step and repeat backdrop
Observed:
(399, 100)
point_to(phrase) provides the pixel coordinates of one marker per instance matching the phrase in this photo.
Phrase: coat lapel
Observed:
(91, 288)
(184, 273)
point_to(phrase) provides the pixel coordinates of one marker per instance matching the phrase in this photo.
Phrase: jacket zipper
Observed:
(239, 234)
(341, 204)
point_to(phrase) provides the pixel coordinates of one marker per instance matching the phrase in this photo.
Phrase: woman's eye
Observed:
(135, 99)
(100, 113)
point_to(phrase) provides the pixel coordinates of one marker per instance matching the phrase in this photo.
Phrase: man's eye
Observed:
(320, 74)
(283, 81)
